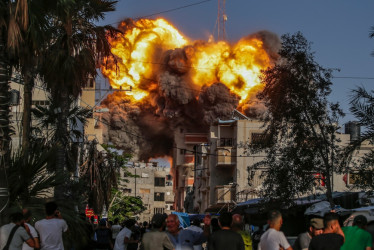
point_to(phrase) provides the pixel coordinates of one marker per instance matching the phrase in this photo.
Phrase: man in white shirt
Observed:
(273, 238)
(34, 234)
(21, 233)
(51, 228)
(116, 228)
(124, 236)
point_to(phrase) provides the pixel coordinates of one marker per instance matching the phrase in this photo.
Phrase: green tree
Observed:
(76, 46)
(300, 123)
(124, 207)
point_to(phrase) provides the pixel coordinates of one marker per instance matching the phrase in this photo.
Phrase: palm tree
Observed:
(362, 107)
(77, 45)
(13, 19)
(28, 58)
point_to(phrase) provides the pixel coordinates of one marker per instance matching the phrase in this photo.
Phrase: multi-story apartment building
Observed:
(40, 96)
(185, 166)
(223, 177)
(153, 184)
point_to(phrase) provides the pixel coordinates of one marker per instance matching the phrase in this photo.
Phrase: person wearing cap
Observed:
(332, 237)
(356, 237)
(156, 239)
(303, 240)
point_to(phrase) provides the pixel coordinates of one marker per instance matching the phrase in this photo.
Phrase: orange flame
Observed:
(140, 47)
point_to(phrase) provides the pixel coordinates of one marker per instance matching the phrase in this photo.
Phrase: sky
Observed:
(337, 29)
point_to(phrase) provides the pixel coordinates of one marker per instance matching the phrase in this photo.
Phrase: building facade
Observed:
(223, 177)
(153, 184)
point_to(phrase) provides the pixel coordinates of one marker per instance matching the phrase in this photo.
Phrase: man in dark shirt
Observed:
(332, 237)
(225, 238)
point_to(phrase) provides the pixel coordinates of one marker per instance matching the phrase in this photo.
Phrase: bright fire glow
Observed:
(139, 51)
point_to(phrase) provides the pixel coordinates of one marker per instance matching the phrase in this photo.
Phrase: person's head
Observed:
(360, 221)
(145, 224)
(17, 218)
(102, 223)
(26, 214)
(130, 223)
(158, 221)
(214, 224)
(275, 220)
(316, 226)
(172, 223)
(196, 222)
(237, 222)
(51, 208)
(225, 219)
(331, 222)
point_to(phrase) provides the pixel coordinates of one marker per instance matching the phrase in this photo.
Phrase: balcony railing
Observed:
(225, 142)
(225, 194)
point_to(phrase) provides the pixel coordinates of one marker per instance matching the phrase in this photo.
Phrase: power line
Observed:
(166, 11)
(354, 77)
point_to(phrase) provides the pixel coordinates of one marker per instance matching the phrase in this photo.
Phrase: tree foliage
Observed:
(124, 207)
(362, 107)
(300, 123)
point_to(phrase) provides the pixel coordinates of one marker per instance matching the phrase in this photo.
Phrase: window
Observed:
(359, 178)
(258, 138)
(225, 142)
(159, 182)
(158, 210)
(159, 196)
(127, 190)
(169, 177)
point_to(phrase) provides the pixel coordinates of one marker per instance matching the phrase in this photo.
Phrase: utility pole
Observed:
(221, 20)
(135, 181)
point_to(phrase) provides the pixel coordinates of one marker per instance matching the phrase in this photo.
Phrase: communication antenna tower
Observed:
(221, 20)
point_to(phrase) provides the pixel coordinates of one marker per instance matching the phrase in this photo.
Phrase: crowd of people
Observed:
(227, 232)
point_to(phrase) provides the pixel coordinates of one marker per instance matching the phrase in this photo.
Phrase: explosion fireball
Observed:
(178, 82)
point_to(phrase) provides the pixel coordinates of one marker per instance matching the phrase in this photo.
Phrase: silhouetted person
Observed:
(225, 238)
(332, 237)
(156, 239)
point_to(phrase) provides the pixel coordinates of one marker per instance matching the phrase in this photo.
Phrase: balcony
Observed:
(225, 194)
(226, 156)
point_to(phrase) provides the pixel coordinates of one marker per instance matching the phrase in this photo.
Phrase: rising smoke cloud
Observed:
(177, 100)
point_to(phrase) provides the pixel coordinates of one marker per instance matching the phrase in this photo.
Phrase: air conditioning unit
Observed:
(168, 207)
